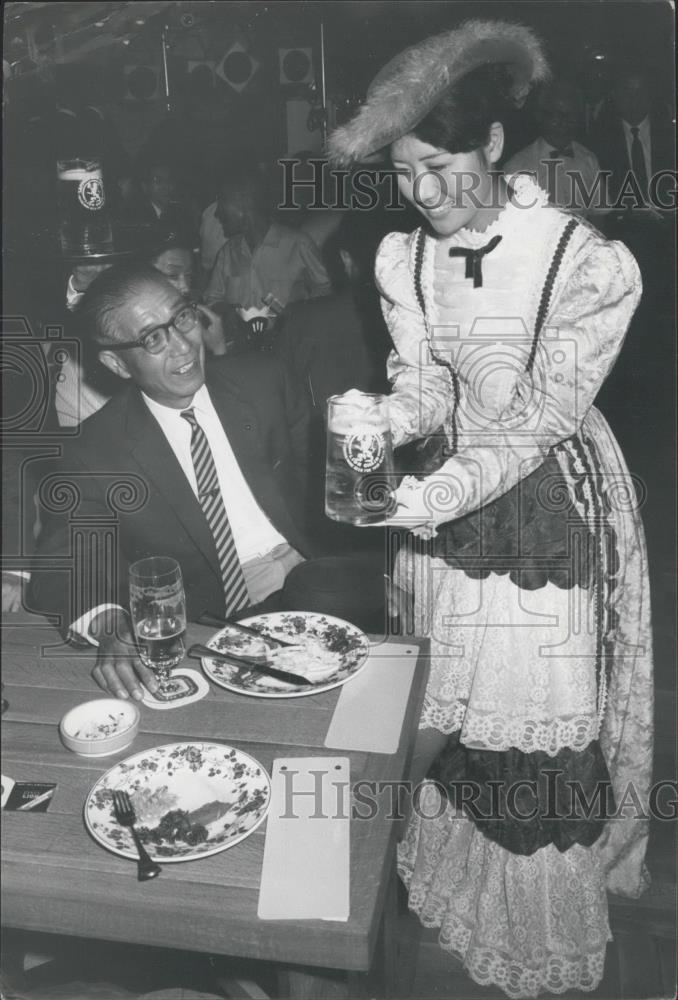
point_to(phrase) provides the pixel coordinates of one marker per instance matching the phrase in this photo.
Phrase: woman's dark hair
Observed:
(461, 120)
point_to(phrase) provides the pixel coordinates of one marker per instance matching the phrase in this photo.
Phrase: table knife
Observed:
(198, 652)
(272, 640)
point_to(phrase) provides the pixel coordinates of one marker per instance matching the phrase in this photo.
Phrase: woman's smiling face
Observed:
(451, 190)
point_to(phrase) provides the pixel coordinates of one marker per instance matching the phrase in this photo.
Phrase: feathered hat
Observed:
(412, 83)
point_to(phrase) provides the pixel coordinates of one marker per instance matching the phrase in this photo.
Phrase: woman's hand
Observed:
(413, 510)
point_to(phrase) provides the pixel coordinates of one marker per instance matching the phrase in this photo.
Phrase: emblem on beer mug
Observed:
(91, 194)
(359, 477)
(364, 450)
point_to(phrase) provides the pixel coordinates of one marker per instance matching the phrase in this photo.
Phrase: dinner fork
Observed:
(125, 816)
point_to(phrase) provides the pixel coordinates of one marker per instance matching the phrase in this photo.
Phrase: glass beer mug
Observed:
(360, 480)
(84, 224)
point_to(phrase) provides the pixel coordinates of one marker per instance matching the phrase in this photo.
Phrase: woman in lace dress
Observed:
(526, 561)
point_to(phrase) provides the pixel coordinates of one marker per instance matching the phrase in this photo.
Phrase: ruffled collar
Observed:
(525, 197)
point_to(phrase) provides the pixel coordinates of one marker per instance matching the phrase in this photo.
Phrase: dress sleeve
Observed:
(422, 394)
(594, 301)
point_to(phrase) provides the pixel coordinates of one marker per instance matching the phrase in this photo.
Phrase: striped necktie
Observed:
(212, 503)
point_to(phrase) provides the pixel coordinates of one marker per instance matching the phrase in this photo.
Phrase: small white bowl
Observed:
(99, 728)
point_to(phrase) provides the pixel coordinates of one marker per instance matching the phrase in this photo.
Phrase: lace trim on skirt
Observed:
(526, 924)
(499, 733)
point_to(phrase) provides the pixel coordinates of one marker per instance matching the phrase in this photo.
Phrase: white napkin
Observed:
(370, 711)
(306, 870)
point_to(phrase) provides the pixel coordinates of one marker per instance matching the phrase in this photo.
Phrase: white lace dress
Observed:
(510, 367)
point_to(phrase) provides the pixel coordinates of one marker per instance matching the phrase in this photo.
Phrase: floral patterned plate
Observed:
(322, 634)
(191, 800)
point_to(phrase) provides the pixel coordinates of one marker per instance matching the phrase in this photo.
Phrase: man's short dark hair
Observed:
(245, 178)
(147, 164)
(358, 234)
(107, 293)
(628, 71)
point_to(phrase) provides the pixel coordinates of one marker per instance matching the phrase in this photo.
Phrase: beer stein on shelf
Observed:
(84, 223)
(360, 478)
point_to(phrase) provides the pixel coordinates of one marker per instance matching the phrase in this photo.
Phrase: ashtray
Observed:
(99, 728)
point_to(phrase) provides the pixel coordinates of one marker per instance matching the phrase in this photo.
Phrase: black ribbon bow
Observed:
(559, 154)
(474, 259)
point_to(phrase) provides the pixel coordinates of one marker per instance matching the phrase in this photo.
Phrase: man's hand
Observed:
(119, 669)
(212, 331)
(11, 592)
(84, 274)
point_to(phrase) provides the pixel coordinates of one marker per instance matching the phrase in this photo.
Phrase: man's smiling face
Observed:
(174, 375)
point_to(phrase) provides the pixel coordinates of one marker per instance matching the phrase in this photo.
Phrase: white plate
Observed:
(186, 776)
(333, 634)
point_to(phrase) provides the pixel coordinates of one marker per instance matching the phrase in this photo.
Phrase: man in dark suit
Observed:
(203, 468)
(157, 202)
(634, 139)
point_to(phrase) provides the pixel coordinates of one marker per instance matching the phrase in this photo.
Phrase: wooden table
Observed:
(56, 878)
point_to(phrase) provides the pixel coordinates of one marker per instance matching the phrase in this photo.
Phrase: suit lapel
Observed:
(242, 425)
(239, 420)
(152, 452)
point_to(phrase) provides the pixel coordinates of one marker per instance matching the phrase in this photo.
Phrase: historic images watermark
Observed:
(552, 798)
(364, 188)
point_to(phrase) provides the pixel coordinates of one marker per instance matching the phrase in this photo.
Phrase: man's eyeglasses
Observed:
(156, 340)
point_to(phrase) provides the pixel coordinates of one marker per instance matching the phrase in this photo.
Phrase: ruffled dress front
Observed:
(534, 593)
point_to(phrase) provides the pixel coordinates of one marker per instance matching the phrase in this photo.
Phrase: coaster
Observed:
(185, 686)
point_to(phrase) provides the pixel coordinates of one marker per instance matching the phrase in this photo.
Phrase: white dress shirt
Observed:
(253, 533)
(286, 264)
(645, 142)
(212, 237)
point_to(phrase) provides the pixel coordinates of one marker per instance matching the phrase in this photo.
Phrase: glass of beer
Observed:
(360, 479)
(158, 609)
(84, 224)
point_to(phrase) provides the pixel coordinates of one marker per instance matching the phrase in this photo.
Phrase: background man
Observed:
(260, 257)
(556, 155)
(158, 201)
(634, 134)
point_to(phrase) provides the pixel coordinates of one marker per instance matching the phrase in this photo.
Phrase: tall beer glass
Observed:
(360, 480)
(84, 224)
(158, 609)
